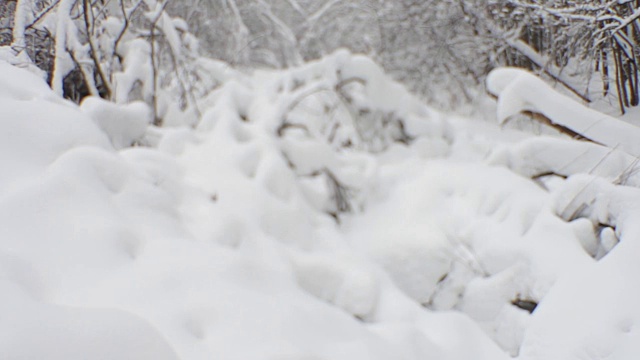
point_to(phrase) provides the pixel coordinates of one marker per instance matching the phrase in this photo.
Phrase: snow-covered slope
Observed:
(317, 213)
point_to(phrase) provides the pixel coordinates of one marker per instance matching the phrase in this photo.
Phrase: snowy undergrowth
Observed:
(589, 312)
(317, 213)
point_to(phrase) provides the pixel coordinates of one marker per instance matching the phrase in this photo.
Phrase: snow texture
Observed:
(320, 212)
(124, 124)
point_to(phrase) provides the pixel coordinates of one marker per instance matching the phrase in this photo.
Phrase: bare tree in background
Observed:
(441, 49)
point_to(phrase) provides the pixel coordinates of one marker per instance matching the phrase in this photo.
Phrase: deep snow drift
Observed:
(316, 213)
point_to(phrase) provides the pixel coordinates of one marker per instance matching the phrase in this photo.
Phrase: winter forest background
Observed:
(319, 179)
(442, 50)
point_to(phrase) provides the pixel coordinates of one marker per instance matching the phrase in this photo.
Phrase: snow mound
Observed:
(518, 90)
(340, 281)
(544, 156)
(33, 330)
(37, 127)
(592, 312)
(124, 124)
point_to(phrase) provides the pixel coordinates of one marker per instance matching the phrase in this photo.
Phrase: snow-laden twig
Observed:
(42, 14)
(531, 54)
(93, 50)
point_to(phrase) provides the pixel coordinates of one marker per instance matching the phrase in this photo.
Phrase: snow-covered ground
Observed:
(317, 213)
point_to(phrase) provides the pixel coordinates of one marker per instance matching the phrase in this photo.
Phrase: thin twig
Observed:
(42, 14)
(126, 23)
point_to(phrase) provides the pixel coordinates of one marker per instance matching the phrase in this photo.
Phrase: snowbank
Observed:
(518, 90)
(592, 312)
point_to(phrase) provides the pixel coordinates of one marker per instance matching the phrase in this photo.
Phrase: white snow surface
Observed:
(518, 90)
(321, 212)
(123, 124)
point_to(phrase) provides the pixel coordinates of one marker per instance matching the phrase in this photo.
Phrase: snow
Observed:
(320, 212)
(21, 18)
(519, 90)
(590, 312)
(64, 31)
(32, 330)
(137, 71)
(544, 155)
(124, 124)
(596, 304)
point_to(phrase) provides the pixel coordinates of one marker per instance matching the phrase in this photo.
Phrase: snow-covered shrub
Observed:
(346, 105)
(122, 51)
(318, 130)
